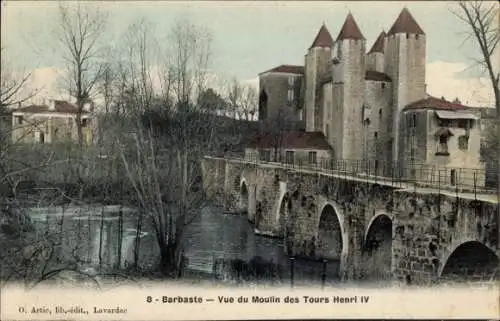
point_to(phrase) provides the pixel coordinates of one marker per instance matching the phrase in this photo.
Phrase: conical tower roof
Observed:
(378, 46)
(405, 23)
(323, 38)
(350, 29)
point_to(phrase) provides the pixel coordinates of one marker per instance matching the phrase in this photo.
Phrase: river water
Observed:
(91, 237)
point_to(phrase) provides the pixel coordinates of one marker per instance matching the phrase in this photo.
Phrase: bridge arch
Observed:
(468, 260)
(377, 247)
(244, 196)
(332, 235)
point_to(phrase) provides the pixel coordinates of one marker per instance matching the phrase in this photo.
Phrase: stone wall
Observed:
(317, 65)
(405, 59)
(353, 60)
(276, 86)
(375, 61)
(426, 228)
(336, 128)
(378, 100)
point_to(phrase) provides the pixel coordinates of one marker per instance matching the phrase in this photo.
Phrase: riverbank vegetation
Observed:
(160, 114)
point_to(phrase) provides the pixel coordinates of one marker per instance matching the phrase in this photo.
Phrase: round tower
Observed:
(317, 64)
(405, 58)
(375, 57)
(348, 91)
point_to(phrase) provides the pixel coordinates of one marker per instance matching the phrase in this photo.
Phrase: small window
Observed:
(375, 135)
(443, 144)
(380, 113)
(19, 120)
(407, 35)
(84, 122)
(383, 85)
(265, 155)
(290, 156)
(312, 158)
(463, 142)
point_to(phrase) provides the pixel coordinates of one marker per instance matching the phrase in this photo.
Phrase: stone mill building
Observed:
(370, 103)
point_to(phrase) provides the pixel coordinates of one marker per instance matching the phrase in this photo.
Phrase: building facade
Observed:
(360, 100)
(280, 89)
(53, 122)
(442, 142)
(294, 148)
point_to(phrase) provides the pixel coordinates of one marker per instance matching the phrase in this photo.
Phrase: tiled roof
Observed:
(434, 103)
(350, 29)
(291, 140)
(378, 46)
(405, 23)
(377, 76)
(60, 107)
(291, 69)
(323, 38)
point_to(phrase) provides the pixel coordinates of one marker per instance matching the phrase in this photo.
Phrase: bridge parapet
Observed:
(471, 180)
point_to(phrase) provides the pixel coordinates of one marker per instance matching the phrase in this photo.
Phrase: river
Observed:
(91, 236)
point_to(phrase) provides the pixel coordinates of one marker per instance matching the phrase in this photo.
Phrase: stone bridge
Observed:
(375, 228)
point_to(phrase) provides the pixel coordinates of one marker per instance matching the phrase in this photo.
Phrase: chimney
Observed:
(52, 104)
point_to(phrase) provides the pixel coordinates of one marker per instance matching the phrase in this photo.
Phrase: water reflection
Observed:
(216, 235)
(95, 236)
(101, 237)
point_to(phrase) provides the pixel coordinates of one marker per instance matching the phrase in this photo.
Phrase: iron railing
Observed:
(397, 174)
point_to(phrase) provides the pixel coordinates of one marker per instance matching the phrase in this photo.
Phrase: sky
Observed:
(251, 37)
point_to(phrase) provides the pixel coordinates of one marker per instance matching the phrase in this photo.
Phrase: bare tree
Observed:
(163, 167)
(234, 93)
(12, 85)
(479, 17)
(249, 103)
(242, 100)
(190, 52)
(81, 31)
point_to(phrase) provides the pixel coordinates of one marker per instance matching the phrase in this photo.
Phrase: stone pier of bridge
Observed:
(374, 227)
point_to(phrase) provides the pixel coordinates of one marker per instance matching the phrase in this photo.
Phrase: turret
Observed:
(317, 64)
(405, 58)
(348, 70)
(375, 57)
